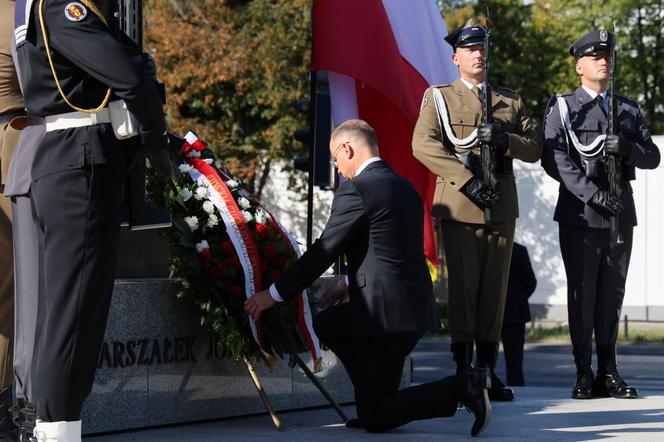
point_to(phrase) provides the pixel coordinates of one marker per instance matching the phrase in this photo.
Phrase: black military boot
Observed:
(487, 356)
(583, 389)
(608, 382)
(25, 419)
(471, 386)
(7, 428)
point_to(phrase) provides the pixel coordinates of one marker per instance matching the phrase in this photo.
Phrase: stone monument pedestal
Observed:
(157, 366)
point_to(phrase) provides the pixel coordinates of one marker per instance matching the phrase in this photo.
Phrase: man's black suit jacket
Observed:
(377, 222)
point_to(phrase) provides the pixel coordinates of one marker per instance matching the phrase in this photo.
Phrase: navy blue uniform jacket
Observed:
(562, 162)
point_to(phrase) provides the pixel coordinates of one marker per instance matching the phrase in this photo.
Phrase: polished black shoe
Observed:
(583, 389)
(475, 398)
(354, 423)
(27, 418)
(612, 385)
(498, 391)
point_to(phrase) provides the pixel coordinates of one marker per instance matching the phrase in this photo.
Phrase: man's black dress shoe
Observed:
(354, 423)
(583, 389)
(498, 391)
(612, 385)
(475, 398)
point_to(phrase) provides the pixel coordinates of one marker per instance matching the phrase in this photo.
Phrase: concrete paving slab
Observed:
(538, 414)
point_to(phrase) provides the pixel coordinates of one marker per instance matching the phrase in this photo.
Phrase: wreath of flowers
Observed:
(206, 263)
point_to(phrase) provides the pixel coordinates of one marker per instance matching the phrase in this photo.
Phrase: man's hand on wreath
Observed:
(334, 294)
(255, 305)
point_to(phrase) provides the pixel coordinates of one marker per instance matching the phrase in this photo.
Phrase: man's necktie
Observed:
(476, 91)
(602, 103)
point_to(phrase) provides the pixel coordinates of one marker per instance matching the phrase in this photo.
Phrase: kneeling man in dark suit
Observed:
(377, 222)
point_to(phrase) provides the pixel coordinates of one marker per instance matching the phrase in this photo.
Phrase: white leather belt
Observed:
(76, 119)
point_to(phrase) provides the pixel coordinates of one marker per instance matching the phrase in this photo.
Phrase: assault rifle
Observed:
(487, 151)
(613, 163)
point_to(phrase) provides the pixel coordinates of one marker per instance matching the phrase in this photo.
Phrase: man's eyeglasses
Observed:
(333, 159)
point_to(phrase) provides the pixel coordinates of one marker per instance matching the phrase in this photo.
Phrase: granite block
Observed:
(156, 367)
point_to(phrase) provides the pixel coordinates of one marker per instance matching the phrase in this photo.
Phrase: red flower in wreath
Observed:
(205, 255)
(233, 261)
(269, 251)
(274, 275)
(235, 292)
(261, 230)
(228, 247)
(216, 271)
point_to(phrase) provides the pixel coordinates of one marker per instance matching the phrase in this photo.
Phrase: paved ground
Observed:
(542, 411)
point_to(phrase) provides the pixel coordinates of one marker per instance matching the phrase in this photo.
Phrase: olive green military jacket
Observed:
(432, 148)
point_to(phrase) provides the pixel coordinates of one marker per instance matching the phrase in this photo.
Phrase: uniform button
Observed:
(452, 183)
(581, 195)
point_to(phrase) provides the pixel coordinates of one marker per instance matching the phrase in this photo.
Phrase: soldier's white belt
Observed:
(121, 119)
(76, 119)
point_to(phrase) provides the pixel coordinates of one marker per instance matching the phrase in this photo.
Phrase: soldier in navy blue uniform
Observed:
(576, 145)
(75, 63)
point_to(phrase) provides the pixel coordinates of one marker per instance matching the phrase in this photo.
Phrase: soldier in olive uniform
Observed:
(11, 108)
(575, 148)
(446, 140)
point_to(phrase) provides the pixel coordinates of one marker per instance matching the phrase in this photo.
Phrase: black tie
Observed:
(602, 103)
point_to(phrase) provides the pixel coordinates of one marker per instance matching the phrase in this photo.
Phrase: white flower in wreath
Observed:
(201, 192)
(261, 217)
(202, 246)
(243, 202)
(185, 194)
(208, 160)
(208, 207)
(192, 222)
(244, 193)
(212, 221)
(248, 217)
(184, 168)
(232, 184)
(193, 153)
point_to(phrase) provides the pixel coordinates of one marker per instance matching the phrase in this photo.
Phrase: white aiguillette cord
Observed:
(444, 121)
(590, 151)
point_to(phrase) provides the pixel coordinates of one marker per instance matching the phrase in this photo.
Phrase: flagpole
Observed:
(312, 128)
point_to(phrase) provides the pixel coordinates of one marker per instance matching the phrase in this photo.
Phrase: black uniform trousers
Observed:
(375, 365)
(78, 216)
(514, 338)
(596, 278)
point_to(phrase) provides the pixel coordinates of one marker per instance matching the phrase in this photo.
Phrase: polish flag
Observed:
(381, 55)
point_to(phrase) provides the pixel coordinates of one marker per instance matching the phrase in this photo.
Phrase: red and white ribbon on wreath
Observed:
(303, 311)
(243, 242)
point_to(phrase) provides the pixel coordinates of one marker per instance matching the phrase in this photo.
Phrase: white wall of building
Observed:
(290, 207)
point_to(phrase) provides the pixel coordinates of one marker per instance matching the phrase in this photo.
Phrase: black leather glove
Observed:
(493, 135)
(482, 195)
(151, 65)
(157, 151)
(605, 203)
(618, 146)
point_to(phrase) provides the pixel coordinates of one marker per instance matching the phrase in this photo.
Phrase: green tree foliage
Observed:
(531, 42)
(233, 70)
